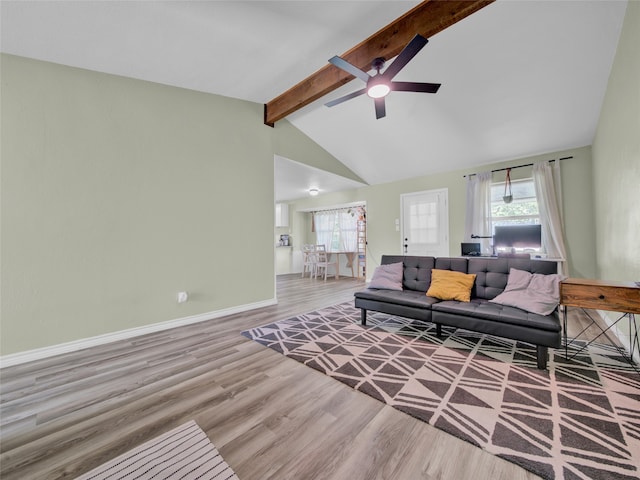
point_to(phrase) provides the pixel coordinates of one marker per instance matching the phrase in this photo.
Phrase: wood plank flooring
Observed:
(269, 416)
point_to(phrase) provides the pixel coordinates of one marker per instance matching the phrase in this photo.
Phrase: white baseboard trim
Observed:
(73, 346)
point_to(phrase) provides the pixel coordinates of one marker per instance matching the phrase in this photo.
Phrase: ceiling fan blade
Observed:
(345, 98)
(405, 56)
(415, 87)
(381, 110)
(349, 68)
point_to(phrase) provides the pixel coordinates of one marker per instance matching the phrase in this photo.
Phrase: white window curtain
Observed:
(546, 178)
(323, 222)
(347, 223)
(478, 212)
(337, 230)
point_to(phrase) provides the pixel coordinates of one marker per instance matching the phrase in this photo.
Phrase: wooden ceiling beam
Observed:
(427, 19)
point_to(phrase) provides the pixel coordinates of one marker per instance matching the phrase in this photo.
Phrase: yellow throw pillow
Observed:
(451, 285)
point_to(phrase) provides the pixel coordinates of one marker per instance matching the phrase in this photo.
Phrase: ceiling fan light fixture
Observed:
(379, 85)
(378, 90)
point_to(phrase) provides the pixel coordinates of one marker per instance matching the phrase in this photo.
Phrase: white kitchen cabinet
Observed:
(282, 214)
(283, 260)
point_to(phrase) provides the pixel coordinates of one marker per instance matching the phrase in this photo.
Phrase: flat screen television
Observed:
(518, 236)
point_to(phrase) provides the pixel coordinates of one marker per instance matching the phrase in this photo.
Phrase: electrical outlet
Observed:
(182, 297)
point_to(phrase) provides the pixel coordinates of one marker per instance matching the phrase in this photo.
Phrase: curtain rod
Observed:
(518, 166)
(337, 209)
(357, 203)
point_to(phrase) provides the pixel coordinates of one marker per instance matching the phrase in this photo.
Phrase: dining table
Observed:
(350, 256)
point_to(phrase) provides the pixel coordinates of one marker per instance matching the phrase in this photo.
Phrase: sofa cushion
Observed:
(532, 292)
(492, 274)
(452, 263)
(410, 298)
(417, 271)
(483, 309)
(388, 277)
(451, 285)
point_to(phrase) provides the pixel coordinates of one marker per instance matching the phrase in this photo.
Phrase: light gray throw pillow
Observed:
(532, 292)
(388, 277)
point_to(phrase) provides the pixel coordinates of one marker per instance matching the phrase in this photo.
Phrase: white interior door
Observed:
(425, 223)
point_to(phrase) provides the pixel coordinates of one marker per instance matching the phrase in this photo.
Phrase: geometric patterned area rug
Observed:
(579, 419)
(182, 453)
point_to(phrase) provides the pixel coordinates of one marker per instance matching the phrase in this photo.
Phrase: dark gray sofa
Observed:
(479, 314)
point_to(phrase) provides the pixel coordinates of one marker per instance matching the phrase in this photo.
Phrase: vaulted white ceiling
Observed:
(519, 78)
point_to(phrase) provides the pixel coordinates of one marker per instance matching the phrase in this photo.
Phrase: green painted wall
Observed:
(291, 143)
(616, 160)
(117, 193)
(383, 207)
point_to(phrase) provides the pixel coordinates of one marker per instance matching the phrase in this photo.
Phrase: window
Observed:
(424, 222)
(523, 210)
(337, 229)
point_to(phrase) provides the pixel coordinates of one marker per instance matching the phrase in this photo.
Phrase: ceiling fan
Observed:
(380, 84)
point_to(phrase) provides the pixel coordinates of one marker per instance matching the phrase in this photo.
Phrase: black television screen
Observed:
(518, 236)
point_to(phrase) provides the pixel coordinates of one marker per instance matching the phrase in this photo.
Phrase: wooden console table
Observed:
(623, 297)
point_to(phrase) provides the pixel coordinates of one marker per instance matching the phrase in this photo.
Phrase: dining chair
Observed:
(308, 260)
(324, 261)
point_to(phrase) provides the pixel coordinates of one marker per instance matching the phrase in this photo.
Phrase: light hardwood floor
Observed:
(269, 416)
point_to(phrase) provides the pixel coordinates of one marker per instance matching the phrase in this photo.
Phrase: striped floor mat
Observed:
(580, 419)
(183, 453)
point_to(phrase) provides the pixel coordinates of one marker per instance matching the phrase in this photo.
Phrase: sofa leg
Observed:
(542, 354)
(363, 316)
(439, 330)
